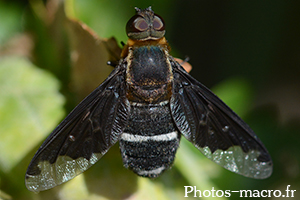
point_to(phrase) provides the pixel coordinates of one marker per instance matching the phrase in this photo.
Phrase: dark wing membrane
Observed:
(83, 137)
(215, 129)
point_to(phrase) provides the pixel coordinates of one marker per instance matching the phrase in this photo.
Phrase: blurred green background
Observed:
(247, 52)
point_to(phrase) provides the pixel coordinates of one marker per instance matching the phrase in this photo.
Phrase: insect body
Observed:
(146, 104)
(150, 139)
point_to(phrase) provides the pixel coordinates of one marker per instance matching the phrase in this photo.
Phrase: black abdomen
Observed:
(150, 141)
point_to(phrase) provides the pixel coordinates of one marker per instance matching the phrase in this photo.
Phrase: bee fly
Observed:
(146, 103)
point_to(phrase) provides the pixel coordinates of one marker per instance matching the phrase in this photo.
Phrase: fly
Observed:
(147, 103)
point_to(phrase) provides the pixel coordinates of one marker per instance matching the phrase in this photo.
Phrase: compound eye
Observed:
(144, 25)
(158, 23)
(140, 24)
(136, 24)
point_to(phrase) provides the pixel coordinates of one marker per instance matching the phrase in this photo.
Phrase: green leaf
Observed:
(148, 190)
(10, 21)
(30, 107)
(237, 93)
(197, 169)
(4, 196)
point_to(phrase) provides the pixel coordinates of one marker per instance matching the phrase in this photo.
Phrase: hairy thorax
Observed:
(149, 73)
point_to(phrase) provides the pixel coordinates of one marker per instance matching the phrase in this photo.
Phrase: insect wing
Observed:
(215, 129)
(83, 137)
